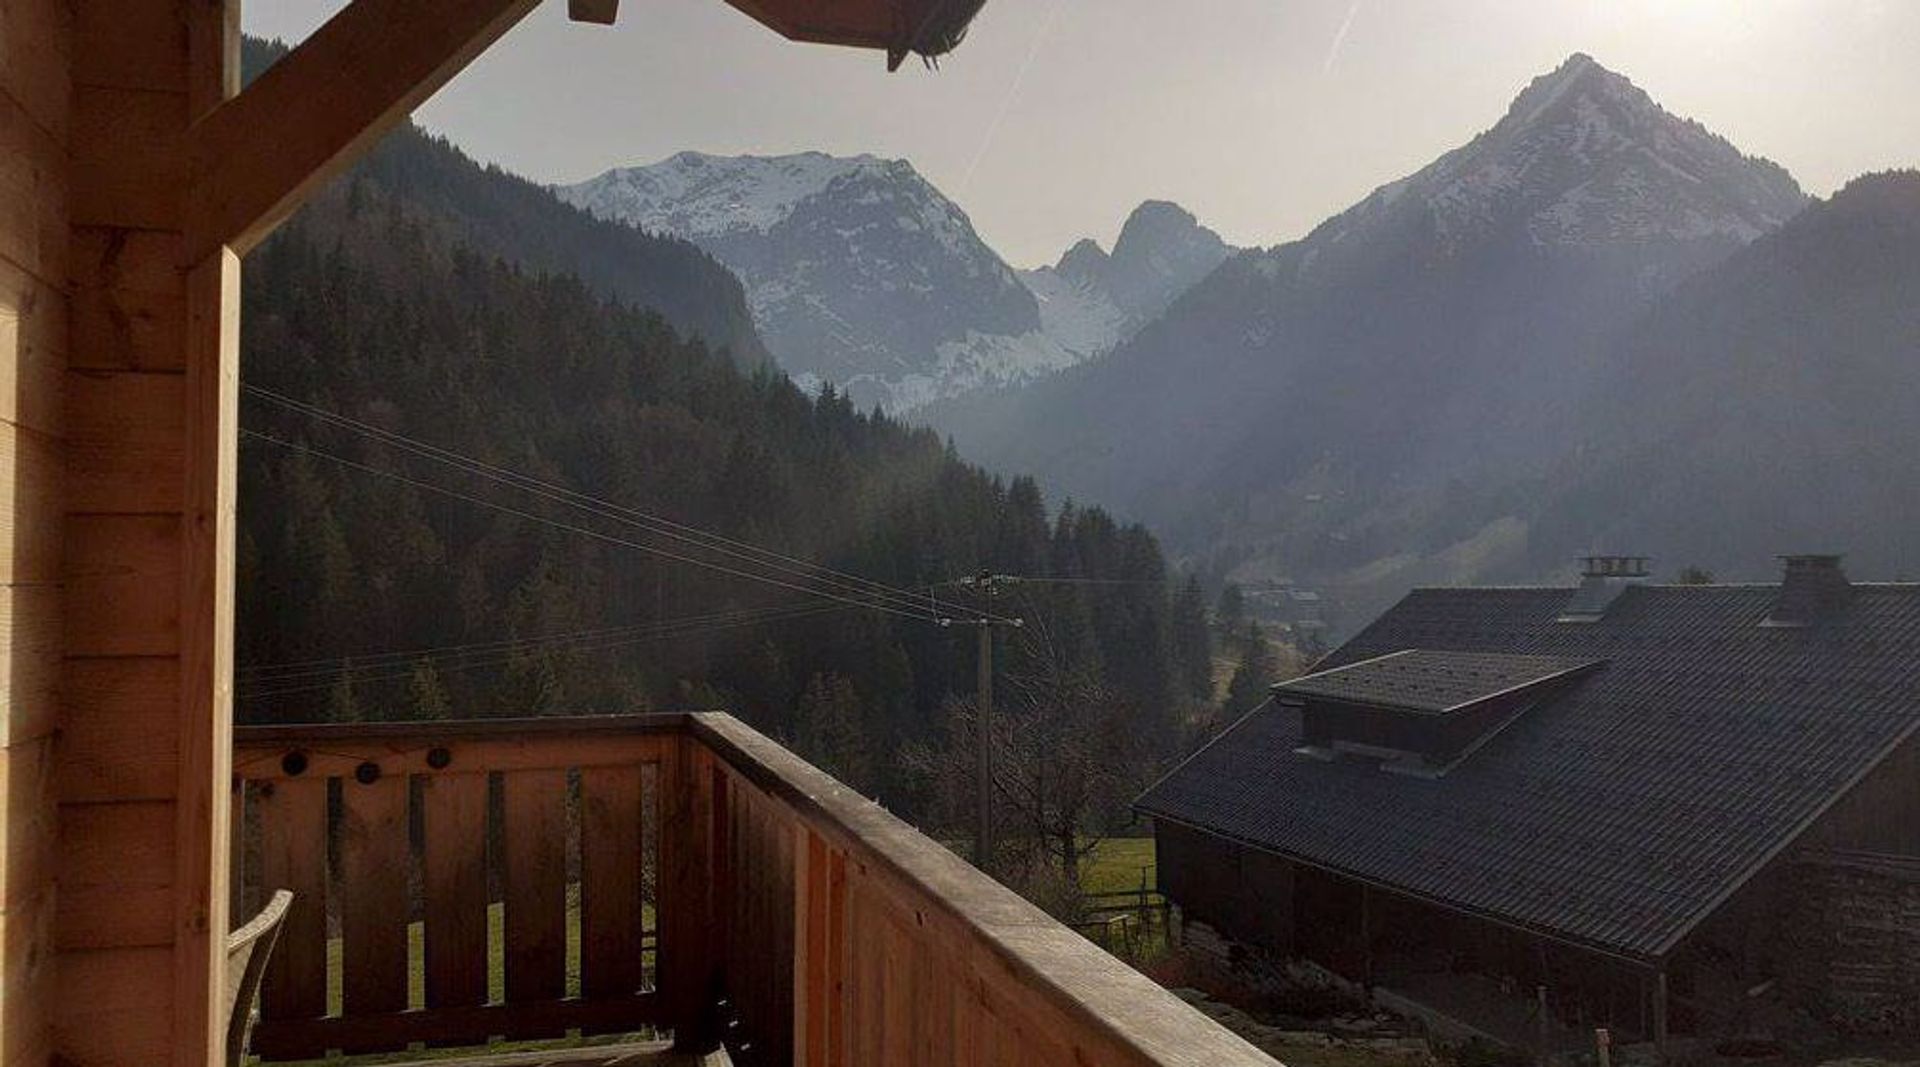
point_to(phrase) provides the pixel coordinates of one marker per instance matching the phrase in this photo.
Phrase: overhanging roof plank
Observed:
(256, 156)
(900, 27)
(599, 12)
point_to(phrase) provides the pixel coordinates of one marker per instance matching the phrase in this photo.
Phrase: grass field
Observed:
(1117, 866)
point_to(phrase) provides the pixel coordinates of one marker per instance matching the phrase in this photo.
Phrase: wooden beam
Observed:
(601, 12)
(254, 158)
(205, 731)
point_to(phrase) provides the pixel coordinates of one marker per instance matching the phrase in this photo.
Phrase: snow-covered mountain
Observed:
(861, 273)
(1359, 406)
(1092, 300)
(1582, 158)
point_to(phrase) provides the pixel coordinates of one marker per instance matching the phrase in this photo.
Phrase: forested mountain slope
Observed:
(1371, 406)
(1768, 405)
(377, 583)
(458, 201)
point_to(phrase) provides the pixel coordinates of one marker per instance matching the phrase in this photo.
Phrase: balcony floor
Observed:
(649, 1054)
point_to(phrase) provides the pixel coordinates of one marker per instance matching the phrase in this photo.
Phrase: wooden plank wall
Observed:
(851, 940)
(148, 386)
(562, 799)
(35, 55)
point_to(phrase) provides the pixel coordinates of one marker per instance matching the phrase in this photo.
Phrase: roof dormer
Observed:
(1421, 711)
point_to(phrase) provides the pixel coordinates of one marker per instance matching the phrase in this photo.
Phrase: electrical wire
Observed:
(744, 551)
(584, 531)
(268, 673)
(503, 660)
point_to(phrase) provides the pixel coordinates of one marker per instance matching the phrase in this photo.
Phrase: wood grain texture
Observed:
(35, 90)
(131, 46)
(610, 894)
(339, 753)
(291, 1038)
(27, 850)
(126, 441)
(373, 897)
(123, 585)
(687, 960)
(32, 479)
(293, 855)
(121, 845)
(454, 812)
(36, 57)
(27, 979)
(211, 403)
(256, 157)
(35, 194)
(113, 1006)
(118, 742)
(129, 302)
(30, 667)
(33, 345)
(129, 156)
(536, 882)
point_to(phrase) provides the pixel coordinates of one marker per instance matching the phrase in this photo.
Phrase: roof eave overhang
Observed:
(1652, 961)
(897, 27)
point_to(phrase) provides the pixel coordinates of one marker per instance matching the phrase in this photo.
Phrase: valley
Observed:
(1537, 347)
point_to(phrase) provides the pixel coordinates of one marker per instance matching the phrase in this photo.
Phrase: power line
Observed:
(744, 551)
(1023, 579)
(267, 673)
(584, 531)
(271, 690)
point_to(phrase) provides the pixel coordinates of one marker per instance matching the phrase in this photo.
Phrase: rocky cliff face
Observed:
(862, 274)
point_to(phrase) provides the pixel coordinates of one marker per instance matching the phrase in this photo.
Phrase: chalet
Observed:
(1663, 803)
(724, 888)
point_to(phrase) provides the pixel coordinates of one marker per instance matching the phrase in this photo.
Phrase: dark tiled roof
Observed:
(1432, 681)
(1617, 814)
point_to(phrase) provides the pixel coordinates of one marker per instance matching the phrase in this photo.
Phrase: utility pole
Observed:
(990, 584)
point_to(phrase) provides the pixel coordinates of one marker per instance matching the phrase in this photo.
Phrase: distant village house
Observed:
(1668, 805)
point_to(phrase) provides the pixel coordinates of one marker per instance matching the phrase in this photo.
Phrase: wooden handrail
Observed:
(835, 932)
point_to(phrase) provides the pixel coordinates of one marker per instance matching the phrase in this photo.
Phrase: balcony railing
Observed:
(465, 881)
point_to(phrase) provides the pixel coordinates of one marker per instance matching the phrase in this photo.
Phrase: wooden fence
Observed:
(465, 881)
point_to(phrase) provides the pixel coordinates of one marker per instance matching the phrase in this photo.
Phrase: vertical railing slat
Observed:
(536, 883)
(374, 860)
(684, 961)
(610, 894)
(838, 948)
(810, 948)
(293, 855)
(237, 911)
(454, 824)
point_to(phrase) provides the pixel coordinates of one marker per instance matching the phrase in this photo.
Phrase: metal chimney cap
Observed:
(1812, 560)
(1614, 566)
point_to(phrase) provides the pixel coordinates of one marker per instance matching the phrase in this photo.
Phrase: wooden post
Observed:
(1660, 1013)
(1366, 939)
(1542, 1031)
(983, 740)
(1603, 1046)
(685, 961)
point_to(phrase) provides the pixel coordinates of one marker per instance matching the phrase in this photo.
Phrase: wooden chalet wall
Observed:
(131, 178)
(152, 368)
(35, 43)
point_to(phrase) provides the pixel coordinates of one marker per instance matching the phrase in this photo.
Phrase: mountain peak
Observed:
(1085, 260)
(1580, 77)
(1583, 156)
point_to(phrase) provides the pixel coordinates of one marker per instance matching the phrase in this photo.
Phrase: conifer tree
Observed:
(1256, 674)
(426, 696)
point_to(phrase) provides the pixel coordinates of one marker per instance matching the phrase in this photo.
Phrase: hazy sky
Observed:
(1263, 117)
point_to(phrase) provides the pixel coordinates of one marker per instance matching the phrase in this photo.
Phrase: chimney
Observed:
(1602, 579)
(1814, 588)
